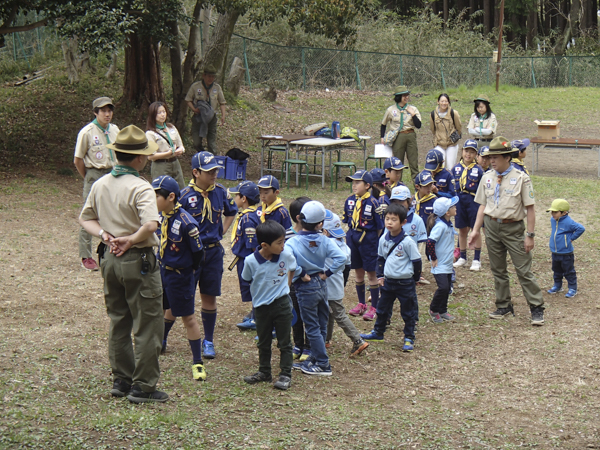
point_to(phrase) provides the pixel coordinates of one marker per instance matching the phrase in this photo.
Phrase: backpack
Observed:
(237, 154)
(348, 132)
(312, 129)
(324, 132)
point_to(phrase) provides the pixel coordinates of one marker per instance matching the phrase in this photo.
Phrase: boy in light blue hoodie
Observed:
(564, 231)
(311, 250)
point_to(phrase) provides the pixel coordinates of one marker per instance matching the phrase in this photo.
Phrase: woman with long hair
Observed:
(482, 125)
(446, 128)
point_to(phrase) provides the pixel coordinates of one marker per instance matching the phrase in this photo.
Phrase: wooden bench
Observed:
(564, 143)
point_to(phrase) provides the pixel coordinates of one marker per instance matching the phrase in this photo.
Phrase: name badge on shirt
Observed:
(176, 224)
(474, 172)
(442, 180)
(368, 210)
(175, 230)
(513, 181)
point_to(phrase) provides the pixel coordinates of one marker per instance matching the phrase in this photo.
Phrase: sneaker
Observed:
(163, 348)
(456, 253)
(198, 372)
(89, 264)
(358, 347)
(436, 317)
(409, 345)
(305, 355)
(423, 281)
(314, 369)
(208, 349)
(461, 262)
(283, 383)
(297, 366)
(328, 344)
(358, 310)
(247, 324)
(475, 266)
(120, 388)
(372, 336)
(537, 316)
(369, 299)
(370, 314)
(571, 293)
(501, 312)
(554, 289)
(446, 317)
(258, 377)
(296, 352)
(138, 396)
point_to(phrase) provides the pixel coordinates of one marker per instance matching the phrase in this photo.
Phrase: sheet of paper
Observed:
(383, 151)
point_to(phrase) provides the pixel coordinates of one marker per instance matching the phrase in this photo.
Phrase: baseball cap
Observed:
(361, 175)
(247, 189)
(433, 159)
(443, 204)
(268, 181)
(100, 102)
(393, 163)
(560, 204)
(400, 193)
(314, 212)
(378, 175)
(167, 183)
(471, 143)
(424, 178)
(520, 144)
(333, 224)
(204, 161)
(483, 151)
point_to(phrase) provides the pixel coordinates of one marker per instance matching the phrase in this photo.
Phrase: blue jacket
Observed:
(564, 231)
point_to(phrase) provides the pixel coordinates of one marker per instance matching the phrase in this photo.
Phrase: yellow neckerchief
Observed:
(164, 228)
(521, 163)
(422, 200)
(237, 220)
(382, 193)
(356, 210)
(463, 175)
(207, 206)
(393, 185)
(269, 209)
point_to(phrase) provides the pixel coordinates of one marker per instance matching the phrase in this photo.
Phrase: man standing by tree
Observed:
(202, 126)
(93, 160)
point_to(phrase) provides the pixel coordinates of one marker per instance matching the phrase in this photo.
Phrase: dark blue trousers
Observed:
(406, 293)
(564, 266)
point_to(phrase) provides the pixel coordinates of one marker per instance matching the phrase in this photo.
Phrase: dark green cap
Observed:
(401, 90)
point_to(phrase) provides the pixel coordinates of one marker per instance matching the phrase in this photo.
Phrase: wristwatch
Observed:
(531, 235)
(101, 233)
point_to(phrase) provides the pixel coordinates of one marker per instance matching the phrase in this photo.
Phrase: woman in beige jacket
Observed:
(445, 121)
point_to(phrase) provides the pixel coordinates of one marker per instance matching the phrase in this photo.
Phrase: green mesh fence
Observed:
(25, 44)
(318, 68)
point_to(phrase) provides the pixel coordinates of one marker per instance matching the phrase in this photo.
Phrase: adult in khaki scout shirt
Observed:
(121, 209)
(93, 160)
(407, 119)
(506, 198)
(211, 92)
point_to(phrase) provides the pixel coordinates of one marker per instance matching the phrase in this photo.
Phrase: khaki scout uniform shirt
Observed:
(91, 146)
(490, 123)
(516, 193)
(197, 92)
(392, 116)
(163, 144)
(122, 204)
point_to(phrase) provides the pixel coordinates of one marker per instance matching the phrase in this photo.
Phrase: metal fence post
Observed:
(570, 70)
(533, 75)
(246, 64)
(401, 72)
(357, 73)
(23, 50)
(442, 73)
(303, 71)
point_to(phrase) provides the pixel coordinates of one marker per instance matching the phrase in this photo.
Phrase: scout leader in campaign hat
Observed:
(133, 141)
(500, 146)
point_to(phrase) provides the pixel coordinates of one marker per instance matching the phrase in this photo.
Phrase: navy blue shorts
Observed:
(466, 211)
(244, 285)
(179, 289)
(363, 255)
(210, 273)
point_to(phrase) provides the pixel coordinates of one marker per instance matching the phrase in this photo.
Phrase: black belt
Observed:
(173, 159)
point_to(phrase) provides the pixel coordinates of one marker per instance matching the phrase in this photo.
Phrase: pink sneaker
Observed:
(89, 264)
(358, 310)
(370, 314)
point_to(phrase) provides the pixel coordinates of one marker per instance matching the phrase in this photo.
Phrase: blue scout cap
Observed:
(361, 175)
(424, 178)
(483, 151)
(247, 189)
(471, 143)
(443, 204)
(378, 175)
(433, 159)
(400, 193)
(268, 181)
(333, 224)
(167, 183)
(520, 144)
(314, 212)
(393, 163)
(204, 161)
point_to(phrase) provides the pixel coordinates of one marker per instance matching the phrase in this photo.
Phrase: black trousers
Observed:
(439, 302)
(276, 315)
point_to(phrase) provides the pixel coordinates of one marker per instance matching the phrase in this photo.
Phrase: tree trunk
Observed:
(575, 12)
(219, 42)
(532, 29)
(446, 13)
(488, 15)
(110, 73)
(177, 79)
(69, 56)
(143, 81)
(236, 76)
(205, 38)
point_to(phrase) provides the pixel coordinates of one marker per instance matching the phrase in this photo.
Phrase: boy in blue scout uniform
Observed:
(483, 158)
(414, 226)
(423, 196)
(243, 239)
(380, 192)
(398, 269)
(467, 174)
(444, 181)
(180, 253)
(269, 270)
(364, 225)
(393, 170)
(207, 201)
(271, 205)
(520, 146)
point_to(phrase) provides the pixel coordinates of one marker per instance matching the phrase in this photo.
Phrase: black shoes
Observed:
(283, 383)
(537, 316)
(501, 312)
(138, 396)
(258, 377)
(120, 388)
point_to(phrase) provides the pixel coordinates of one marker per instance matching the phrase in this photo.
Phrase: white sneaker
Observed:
(461, 262)
(476, 266)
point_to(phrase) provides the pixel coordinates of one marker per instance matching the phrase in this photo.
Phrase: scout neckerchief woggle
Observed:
(463, 175)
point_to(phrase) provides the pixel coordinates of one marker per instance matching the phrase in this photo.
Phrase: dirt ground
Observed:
(475, 383)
